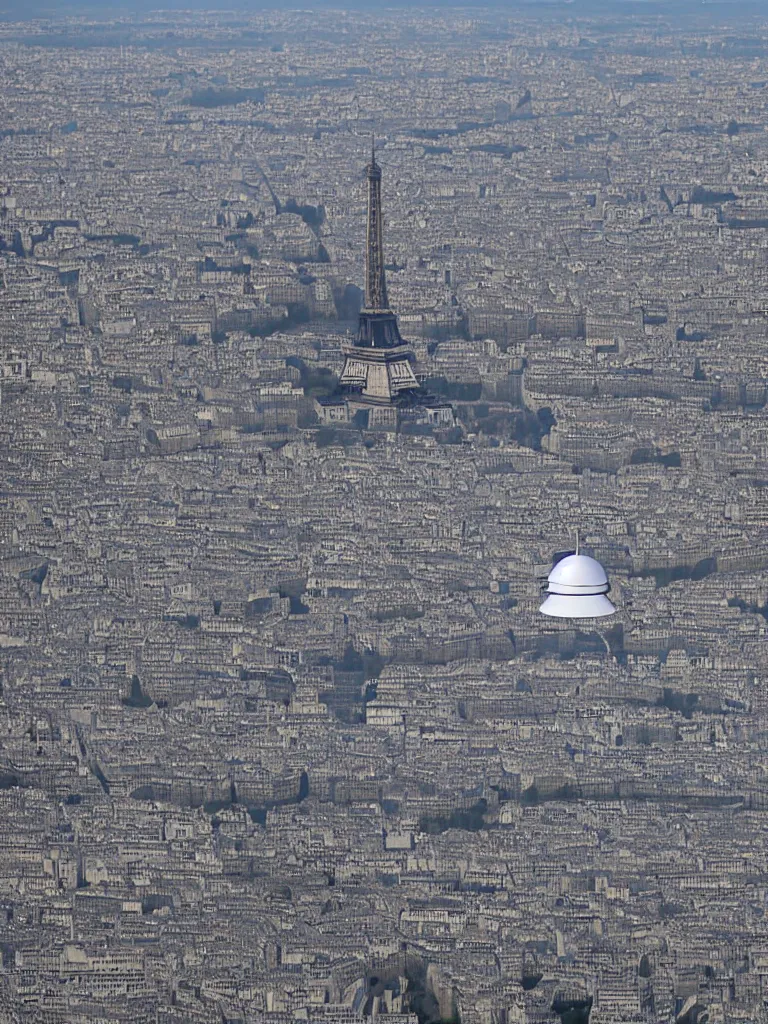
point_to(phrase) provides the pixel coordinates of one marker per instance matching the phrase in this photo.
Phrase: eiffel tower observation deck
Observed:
(378, 367)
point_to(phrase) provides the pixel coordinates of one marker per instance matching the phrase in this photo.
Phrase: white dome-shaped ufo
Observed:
(576, 589)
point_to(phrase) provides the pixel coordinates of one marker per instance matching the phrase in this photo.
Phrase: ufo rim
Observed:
(581, 606)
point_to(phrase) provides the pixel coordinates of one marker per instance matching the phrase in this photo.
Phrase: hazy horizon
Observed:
(18, 9)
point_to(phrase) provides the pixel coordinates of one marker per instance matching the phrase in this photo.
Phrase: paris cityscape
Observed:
(384, 515)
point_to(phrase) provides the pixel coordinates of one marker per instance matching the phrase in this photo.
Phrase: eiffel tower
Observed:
(378, 366)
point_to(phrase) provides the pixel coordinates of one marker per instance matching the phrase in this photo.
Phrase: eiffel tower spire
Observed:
(375, 279)
(378, 324)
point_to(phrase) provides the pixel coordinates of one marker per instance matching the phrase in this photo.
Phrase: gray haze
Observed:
(292, 435)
